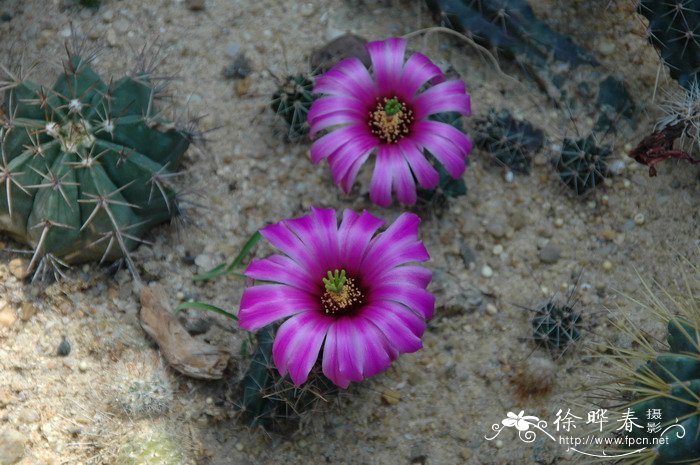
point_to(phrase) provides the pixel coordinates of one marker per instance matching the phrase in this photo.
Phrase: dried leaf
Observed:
(186, 354)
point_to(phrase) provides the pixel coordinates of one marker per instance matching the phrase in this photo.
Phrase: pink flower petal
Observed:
(417, 299)
(354, 235)
(351, 357)
(446, 96)
(330, 360)
(408, 274)
(347, 157)
(332, 104)
(266, 303)
(348, 180)
(417, 71)
(319, 235)
(347, 78)
(430, 134)
(297, 344)
(280, 269)
(330, 143)
(401, 327)
(378, 353)
(387, 63)
(425, 173)
(402, 181)
(397, 245)
(280, 236)
(330, 120)
(380, 186)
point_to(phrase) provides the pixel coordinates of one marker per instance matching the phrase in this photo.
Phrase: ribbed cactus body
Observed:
(583, 164)
(674, 31)
(85, 164)
(292, 101)
(272, 401)
(670, 385)
(512, 142)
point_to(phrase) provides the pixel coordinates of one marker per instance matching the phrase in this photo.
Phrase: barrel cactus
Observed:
(86, 164)
(661, 384)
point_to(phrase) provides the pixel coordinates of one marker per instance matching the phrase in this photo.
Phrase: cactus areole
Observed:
(85, 165)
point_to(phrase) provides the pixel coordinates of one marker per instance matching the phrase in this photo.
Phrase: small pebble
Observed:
(607, 265)
(486, 271)
(18, 268)
(496, 229)
(508, 176)
(626, 183)
(639, 219)
(63, 348)
(497, 249)
(83, 366)
(491, 309)
(558, 223)
(616, 167)
(239, 446)
(499, 444)
(7, 316)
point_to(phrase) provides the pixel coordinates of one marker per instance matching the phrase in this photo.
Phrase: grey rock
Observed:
(550, 253)
(468, 255)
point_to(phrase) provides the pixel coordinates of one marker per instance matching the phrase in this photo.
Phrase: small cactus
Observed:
(512, 142)
(582, 164)
(152, 446)
(556, 326)
(673, 30)
(291, 101)
(85, 165)
(274, 402)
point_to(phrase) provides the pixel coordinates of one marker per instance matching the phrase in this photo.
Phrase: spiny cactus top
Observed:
(341, 287)
(388, 113)
(291, 101)
(674, 31)
(582, 164)
(85, 164)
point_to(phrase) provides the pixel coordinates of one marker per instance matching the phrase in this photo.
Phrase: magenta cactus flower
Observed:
(387, 113)
(341, 288)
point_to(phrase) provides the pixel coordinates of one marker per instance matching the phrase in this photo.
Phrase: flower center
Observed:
(390, 120)
(342, 293)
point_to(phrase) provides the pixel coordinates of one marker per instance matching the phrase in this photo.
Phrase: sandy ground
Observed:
(478, 349)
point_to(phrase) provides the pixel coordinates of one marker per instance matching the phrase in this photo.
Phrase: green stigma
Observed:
(335, 281)
(392, 107)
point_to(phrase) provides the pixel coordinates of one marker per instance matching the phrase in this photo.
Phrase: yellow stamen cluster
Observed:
(390, 126)
(348, 298)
